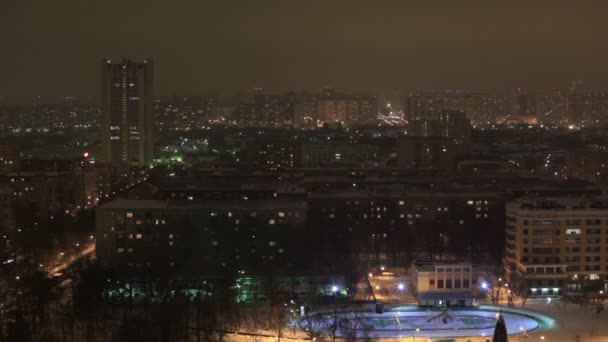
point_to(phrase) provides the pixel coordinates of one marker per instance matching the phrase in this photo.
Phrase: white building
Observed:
(433, 275)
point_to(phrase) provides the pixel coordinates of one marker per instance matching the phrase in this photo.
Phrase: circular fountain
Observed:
(411, 321)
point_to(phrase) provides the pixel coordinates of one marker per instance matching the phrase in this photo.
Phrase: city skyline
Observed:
(338, 171)
(222, 47)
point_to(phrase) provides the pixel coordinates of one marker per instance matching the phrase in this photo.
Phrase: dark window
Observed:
(440, 283)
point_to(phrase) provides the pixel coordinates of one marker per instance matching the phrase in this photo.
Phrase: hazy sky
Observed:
(54, 47)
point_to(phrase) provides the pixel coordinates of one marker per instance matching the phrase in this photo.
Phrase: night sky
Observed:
(53, 48)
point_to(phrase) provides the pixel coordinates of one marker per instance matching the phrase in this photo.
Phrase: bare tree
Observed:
(313, 325)
(353, 326)
(565, 299)
(598, 302)
(495, 293)
(277, 318)
(517, 288)
(335, 317)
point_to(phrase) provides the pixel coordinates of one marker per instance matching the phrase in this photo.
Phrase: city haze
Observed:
(53, 48)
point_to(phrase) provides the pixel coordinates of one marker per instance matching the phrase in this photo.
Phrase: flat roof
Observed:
(560, 203)
(402, 194)
(173, 203)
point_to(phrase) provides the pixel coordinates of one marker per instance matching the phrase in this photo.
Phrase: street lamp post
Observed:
(524, 336)
(417, 330)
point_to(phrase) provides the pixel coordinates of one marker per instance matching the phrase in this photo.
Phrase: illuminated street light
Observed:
(400, 286)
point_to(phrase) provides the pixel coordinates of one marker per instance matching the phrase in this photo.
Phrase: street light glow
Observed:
(400, 286)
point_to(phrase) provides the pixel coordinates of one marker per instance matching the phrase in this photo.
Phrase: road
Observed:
(70, 260)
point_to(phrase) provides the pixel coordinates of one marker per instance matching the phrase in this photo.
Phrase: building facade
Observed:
(587, 165)
(432, 275)
(147, 239)
(426, 152)
(554, 244)
(127, 112)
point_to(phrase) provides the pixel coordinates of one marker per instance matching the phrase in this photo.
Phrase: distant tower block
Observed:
(128, 121)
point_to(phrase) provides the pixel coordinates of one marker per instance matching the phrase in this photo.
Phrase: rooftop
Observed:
(174, 203)
(560, 203)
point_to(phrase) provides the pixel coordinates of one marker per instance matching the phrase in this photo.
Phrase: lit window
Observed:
(170, 243)
(138, 236)
(271, 243)
(281, 214)
(271, 221)
(129, 215)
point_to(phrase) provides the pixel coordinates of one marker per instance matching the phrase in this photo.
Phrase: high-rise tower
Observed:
(128, 119)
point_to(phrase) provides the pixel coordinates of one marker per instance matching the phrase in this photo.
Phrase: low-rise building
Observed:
(449, 274)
